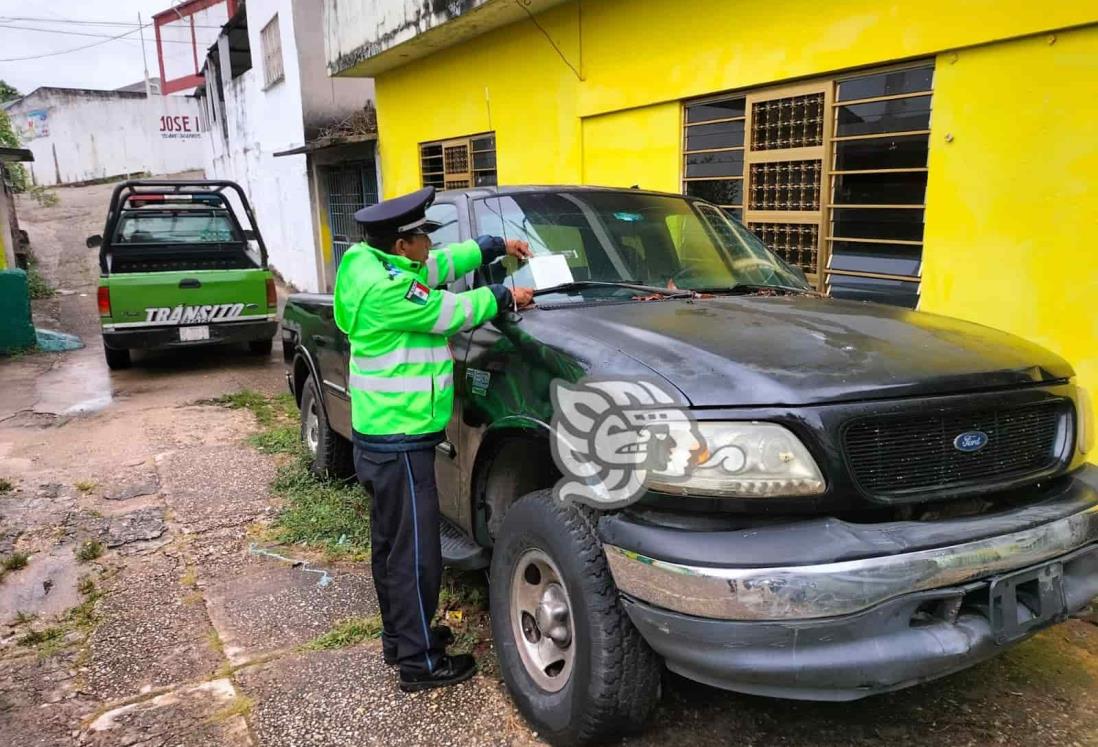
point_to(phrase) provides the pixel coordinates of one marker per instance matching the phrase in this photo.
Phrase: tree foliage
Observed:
(9, 139)
(8, 92)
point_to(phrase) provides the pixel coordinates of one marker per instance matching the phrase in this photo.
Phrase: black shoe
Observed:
(450, 671)
(440, 633)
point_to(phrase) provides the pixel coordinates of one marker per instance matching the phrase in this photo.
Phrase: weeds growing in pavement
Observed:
(15, 561)
(43, 196)
(241, 705)
(84, 486)
(89, 551)
(329, 515)
(347, 632)
(37, 285)
(36, 638)
(6, 486)
(22, 617)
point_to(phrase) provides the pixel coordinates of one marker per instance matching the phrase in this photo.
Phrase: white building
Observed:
(301, 144)
(79, 135)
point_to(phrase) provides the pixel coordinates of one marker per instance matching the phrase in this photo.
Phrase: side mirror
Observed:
(93, 241)
(249, 235)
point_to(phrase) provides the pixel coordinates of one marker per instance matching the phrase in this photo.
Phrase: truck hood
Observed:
(803, 350)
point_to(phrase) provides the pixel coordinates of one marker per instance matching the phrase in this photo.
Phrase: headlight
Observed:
(738, 460)
(1085, 417)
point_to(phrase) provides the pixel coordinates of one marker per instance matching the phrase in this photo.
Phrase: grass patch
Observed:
(43, 196)
(84, 486)
(37, 285)
(332, 516)
(214, 639)
(241, 705)
(328, 515)
(89, 551)
(86, 585)
(37, 638)
(347, 632)
(22, 617)
(15, 561)
(6, 486)
(189, 579)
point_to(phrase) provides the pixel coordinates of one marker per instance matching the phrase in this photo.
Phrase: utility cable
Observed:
(81, 33)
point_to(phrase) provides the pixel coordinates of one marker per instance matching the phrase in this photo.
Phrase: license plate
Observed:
(192, 334)
(1039, 590)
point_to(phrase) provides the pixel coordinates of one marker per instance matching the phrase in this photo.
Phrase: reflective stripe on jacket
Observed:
(397, 321)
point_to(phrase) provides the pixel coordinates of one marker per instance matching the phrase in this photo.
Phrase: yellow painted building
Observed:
(934, 154)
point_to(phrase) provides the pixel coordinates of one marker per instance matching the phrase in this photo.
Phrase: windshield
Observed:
(175, 228)
(656, 240)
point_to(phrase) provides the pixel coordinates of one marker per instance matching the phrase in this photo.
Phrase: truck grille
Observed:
(905, 455)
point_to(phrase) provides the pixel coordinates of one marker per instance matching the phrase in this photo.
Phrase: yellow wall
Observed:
(1012, 199)
(1011, 233)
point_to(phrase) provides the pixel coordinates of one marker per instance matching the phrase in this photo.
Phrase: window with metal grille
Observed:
(271, 40)
(830, 174)
(459, 163)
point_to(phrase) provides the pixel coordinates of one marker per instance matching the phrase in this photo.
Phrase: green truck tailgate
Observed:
(186, 297)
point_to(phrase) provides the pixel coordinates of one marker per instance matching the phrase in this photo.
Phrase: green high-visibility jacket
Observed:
(401, 374)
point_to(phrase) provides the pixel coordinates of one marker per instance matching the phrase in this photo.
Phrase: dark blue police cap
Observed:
(399, 215)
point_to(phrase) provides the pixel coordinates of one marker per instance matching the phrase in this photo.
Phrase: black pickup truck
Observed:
(943, 509)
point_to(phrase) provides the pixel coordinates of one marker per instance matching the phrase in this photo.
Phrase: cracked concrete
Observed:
(180, 635)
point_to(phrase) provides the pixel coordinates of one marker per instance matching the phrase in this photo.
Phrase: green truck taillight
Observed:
(272, 297)
(104, 301)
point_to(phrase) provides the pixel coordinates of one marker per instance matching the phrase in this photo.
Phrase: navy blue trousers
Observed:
(406, 555)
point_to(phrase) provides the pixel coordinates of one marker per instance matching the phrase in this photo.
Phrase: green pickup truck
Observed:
(178, 268)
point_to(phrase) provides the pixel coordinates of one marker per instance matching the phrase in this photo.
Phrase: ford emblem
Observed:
(970, 441)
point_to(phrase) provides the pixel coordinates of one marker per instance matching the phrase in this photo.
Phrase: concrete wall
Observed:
(365, 37)
(284, 116)
(325, 100)
(98, 134)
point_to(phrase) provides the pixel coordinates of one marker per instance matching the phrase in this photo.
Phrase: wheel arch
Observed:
(514, 458)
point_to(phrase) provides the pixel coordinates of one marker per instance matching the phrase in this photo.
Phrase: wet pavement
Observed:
(148, 613)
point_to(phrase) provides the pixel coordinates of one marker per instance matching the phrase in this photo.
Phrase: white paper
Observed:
(543, 271)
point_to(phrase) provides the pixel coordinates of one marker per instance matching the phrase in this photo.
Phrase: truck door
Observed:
(449, 462)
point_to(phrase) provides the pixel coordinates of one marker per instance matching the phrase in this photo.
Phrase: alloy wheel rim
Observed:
(312, 429)
(541, 620)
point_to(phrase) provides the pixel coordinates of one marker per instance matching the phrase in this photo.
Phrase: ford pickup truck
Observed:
(942, 508)
(178, 268)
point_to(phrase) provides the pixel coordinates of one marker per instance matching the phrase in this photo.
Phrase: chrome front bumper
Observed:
(805, 592)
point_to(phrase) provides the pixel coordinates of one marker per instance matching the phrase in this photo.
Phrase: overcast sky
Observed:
(107, 65)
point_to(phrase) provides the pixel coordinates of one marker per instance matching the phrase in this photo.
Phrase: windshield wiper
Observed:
(640, 287)
(745, 288)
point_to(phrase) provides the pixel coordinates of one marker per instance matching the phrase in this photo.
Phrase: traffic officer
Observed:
(402, 392)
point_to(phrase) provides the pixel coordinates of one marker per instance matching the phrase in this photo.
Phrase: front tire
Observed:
(117, 358)
(575, 665)
(331, 455)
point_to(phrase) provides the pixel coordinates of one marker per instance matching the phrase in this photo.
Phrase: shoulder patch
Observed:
(417, 293)
(394, 272)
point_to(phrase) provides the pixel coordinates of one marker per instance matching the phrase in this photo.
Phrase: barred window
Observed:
(271, 40)
(460, 163)
(831, 174)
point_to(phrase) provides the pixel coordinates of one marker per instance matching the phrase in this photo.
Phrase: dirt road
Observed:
(153, 610)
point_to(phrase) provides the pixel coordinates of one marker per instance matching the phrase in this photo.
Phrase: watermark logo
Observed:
(609, 435)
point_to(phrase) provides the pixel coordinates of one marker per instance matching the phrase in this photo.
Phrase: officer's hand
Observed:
(518, 248)
(523, 296)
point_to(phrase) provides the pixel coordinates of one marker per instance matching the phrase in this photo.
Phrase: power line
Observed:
(81, 33)
(67, 51)
(80, 22)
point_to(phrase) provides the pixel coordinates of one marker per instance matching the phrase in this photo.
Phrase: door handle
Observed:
(320, 341)
(190, 283)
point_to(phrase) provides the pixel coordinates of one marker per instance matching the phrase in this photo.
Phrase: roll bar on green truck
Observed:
(179, 268)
